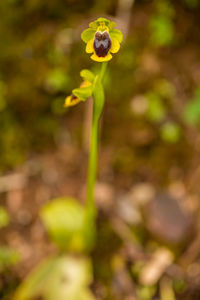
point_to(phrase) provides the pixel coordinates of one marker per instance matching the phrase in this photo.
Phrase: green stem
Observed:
(92, 168)
(103, 69)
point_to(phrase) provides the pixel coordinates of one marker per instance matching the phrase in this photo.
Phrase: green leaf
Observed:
(62, 278)
(64, 219)
(88, 34)
(87, 75)
(117, 34)
(83, 93)
(4, 217)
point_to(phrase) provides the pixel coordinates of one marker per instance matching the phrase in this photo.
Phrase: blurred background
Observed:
(148, 244)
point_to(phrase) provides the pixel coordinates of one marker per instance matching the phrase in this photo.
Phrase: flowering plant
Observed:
(102, 40)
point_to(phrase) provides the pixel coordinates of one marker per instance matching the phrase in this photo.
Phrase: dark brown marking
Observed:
(102, 43)
(73, 97)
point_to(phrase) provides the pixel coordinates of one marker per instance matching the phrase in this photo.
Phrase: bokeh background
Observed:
(148, 244)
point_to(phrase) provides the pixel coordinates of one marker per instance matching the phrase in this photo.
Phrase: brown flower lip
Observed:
(102, 43)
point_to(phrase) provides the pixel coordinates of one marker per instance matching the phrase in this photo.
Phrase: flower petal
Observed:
(115, 33)
(88, 34)
(89, 47)
(85, 83)
(71, 101)
(115, 45)
(101, 59)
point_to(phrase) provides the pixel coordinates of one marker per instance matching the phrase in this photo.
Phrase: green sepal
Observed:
(87, 75)
(93, 25)
(108, 23)
(88, 34)
(83, 93)
(115, 33)
(111, 25)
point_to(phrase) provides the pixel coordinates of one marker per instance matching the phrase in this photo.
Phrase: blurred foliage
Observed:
(170, 132)
(161, 24)
(4, 217)
(191, 111)
(35, 71)
(146, 292)
(192, 3)
(64, 219)
(8, 258)
(64, 277)
(156, 110)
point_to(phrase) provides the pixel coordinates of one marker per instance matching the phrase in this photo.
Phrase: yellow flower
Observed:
(102, 39)
(71, 100)
(75, 99)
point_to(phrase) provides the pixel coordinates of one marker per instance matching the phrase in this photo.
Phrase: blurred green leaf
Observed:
(60, 278)
(4, 217)
(57, 80)
(191, 113)
(64, 221)
(170, 132)
(164, 88)
(162, 30)
(146, 292)
(8, 258)
(156, 110)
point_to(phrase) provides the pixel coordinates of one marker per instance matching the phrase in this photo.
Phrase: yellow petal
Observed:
(85, 83)
(71, 101)
(89, 47)
(115, 45)
(101, 59)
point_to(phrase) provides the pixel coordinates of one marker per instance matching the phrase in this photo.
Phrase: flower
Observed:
(102, 39)
(73, 99)
(84, 91)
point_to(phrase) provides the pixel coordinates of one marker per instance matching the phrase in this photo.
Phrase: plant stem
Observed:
(92, 168)
(103, 69)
